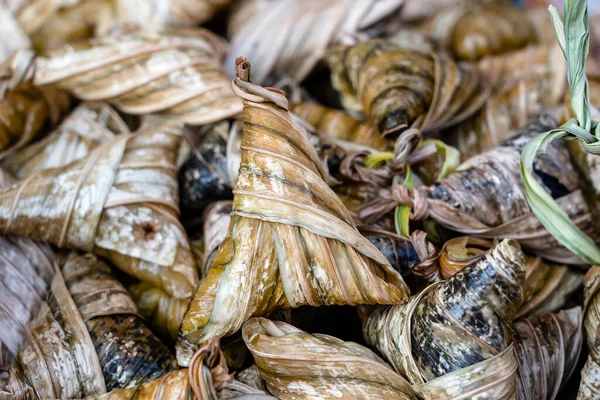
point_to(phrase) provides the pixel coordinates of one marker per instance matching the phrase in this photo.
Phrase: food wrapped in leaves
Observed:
(290, 242)
(87, 127)
(472, 33)
(25, 111)
(467, 201)
(87, 338)
(128, 352)
(456, 324)
(119, 202)
(397, 88)
(296, 364)
(175, 73)
(26, 270)
(547, 286)
(455, 339)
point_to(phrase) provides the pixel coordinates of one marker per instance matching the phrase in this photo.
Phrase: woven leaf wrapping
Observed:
(466, 200)
(119, 202)
(471, 33)
(547, 285)
(397, 88)
(86, 338)
(25, 273)
(547, 350)
(175, 73)
(59, 360)
(87, 127)
(291, 242)
(128, 352)
(313, 366)
(456, 324)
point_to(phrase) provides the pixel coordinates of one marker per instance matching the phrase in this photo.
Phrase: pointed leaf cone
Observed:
(119, 202)
(176, 73)
(459, 325)
(590, 375)
(59, 360)
(547, 350)
(25, 111)
(397, 88)
(297, 364)
(86, 128)
(291, 241)
(128, 351)
(547, 286)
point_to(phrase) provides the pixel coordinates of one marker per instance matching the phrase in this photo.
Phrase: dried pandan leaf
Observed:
(590, 375)
(290, 242)
(397, 88)
(299, 32)
(128, 352)
(163, 313)
(547, 286)
(175, 73)
(547, 350)
(25, 111)
(341, 125)
(472, 33)
(86, 128)
(461, 326)
(26, 270)
(119, 202)
(207, 378)
(466, 201)
(296, 364)
(205, 176)
(58, 361)
(525, 83)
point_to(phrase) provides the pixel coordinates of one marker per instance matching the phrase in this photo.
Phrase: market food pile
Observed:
(299, 199)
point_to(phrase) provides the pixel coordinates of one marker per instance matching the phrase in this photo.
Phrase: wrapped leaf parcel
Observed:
(291, 241)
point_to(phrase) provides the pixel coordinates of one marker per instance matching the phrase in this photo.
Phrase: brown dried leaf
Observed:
(315, 366)
(176, 74)
(456, 326)
(119, 202)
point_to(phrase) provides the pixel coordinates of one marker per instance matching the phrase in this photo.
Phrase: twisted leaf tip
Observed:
(242, 68)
